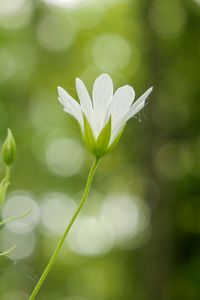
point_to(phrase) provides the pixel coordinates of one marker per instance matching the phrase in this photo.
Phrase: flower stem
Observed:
(7, 175)
(62, 240)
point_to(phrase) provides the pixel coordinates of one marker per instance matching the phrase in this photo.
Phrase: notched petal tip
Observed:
(147, 94)
(104, 76)
(60, 90)
(60, 94)
(79, 85)
(150, 89)
(127, 88)
(78, 80)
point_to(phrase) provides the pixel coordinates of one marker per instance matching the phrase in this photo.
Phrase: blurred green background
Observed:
(138, 235)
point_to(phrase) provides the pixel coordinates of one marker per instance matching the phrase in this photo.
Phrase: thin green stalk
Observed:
(61, 242)
(11, 219)
(4, 185)
(8, 251)
(7, 175)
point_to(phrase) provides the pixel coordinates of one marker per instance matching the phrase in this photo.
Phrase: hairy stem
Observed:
(60, 244)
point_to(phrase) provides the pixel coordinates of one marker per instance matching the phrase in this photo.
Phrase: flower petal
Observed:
(120, 103)
(71, 106)
(85, 100)
(135, 108)
(137, 105)
(102, 95)
(116, 132)
(115, 137)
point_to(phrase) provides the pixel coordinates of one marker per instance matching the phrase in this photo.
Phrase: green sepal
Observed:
(88, 136)
(116, 140)
(103, 139)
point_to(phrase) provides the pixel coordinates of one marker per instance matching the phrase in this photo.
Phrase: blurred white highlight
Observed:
(56, 212)
(64, 156)
(18, 203)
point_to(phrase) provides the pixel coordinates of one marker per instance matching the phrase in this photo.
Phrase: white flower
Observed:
(103, 118)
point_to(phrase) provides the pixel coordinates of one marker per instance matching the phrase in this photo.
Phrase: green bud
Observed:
(9, 149)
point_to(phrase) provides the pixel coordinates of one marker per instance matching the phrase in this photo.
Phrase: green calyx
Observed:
(9, 149)
(97, 147)
(101, 146)
(116, 140)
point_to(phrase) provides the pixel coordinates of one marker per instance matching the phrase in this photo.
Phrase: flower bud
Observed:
(9, 149)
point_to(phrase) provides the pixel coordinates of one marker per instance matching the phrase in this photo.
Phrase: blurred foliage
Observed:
(138, 236)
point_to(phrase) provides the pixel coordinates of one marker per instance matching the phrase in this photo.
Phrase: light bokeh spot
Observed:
(90, 236)
(54, 34)
(127, 216)
(64, 156)
(17, 204)
(173, 161)
(111, 52)
(25, 243)
(15, 14)
(64, 3)
(56, 212)
(14, 295)
(167, 18)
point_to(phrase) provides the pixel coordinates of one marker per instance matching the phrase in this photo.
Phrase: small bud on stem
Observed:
(9, 149)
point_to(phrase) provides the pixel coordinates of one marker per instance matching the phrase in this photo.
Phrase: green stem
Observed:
(61, 242)
(7, 175)
(4, 185)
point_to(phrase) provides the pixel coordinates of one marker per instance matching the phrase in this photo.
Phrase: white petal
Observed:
(135, 108)
(115, 133)
(138, 105)
(120, 103)
(71, 106)
(102, 95)
(85, 100)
